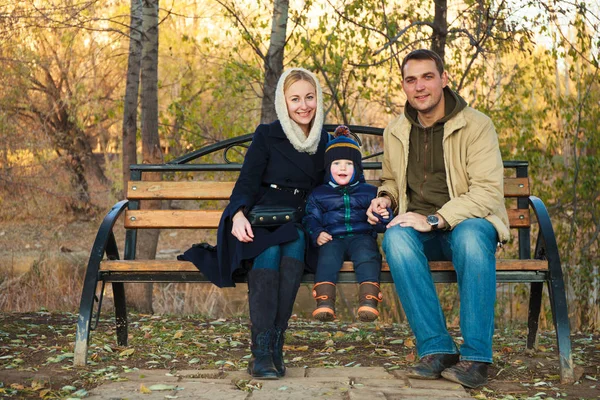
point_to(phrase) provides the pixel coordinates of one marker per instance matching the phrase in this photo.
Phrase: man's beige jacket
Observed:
(474, 169)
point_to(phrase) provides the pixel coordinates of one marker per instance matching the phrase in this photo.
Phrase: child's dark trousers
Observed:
(361, 249)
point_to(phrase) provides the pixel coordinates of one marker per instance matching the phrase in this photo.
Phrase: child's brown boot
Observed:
(324, 294)
(368, 295)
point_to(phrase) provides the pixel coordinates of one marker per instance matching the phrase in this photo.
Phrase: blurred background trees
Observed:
(69, 110)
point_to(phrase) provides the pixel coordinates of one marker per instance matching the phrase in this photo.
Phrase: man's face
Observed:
(423, 85)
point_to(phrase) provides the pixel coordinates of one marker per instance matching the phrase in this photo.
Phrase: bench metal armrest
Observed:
(546, 248)
(104, 242)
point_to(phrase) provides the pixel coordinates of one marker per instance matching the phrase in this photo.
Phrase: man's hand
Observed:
(378, 205)
(417, 221)
(323, 238)
(242, 229)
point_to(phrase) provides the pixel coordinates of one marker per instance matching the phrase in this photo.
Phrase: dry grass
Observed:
(52, 283)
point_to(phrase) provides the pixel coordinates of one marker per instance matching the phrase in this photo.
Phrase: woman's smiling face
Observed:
(301, 101)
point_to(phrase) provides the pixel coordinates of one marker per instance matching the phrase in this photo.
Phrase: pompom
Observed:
(342, 130)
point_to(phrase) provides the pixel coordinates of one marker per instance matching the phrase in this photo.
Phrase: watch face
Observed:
(432, 220)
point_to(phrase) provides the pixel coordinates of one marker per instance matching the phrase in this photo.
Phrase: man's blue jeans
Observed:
(271, 257)
(471, 247)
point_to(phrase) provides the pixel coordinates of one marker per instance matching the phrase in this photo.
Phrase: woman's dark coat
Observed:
(271, 159)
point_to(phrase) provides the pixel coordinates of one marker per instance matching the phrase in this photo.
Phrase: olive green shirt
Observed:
(426, 189)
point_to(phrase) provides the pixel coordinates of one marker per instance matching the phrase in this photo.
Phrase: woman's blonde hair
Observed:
(295, 76)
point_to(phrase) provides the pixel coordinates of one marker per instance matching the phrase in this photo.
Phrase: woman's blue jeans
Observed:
(471, 246)
(271, 257)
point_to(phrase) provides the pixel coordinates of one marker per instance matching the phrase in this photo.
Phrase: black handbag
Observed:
(272, 215)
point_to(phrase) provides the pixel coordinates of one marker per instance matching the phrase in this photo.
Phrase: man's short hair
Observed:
(424, 54)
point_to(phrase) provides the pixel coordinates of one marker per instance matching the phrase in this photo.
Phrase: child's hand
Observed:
(323, 238)
(385, 214)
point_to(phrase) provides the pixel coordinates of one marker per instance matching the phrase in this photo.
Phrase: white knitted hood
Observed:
(291, 129)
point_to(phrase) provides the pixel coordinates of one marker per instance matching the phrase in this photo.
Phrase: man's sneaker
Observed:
(432, 365)
(471, 374)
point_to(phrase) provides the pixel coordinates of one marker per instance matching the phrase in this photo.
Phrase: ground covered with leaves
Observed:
(36, 353)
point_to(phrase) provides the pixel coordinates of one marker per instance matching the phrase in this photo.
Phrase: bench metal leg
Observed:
(558, 302)
(535, 305)
(120, 312)
(84, 319)
(546, 248)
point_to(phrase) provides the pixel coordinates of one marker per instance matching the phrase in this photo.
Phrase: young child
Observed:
(336, 221)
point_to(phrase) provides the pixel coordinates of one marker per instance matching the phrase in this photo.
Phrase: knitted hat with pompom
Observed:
(343, 147)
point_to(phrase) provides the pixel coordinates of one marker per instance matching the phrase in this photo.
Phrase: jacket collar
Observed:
(400, 127)
(303, 161)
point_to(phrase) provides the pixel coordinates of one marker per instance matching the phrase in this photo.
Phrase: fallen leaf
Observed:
(178, 335)
(162, 386)
(126, 353)
(144, 389)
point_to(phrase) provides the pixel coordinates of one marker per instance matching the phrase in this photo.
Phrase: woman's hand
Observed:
(242, 229)
(323, 238)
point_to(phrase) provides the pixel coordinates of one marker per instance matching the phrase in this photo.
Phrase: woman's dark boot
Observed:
(368, 295)
(290, 276)
(263, 286)
(324, 294)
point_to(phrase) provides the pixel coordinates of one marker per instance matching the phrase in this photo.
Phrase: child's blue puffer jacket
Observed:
(341, 211)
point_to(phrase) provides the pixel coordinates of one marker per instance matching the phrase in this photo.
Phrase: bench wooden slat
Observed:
(516, 187)
(172, 219)
(197, 190)
(185, 266)
(184, 190)
(199, 219)
(518, 217)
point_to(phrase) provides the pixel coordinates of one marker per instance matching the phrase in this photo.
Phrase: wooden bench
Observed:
(106, 266)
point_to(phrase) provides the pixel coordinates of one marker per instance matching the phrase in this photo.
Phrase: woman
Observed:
(282, 165)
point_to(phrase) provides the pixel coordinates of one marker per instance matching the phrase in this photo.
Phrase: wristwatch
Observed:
(433, 221)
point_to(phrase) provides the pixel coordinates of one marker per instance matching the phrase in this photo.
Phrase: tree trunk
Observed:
(440, 30)
(132, 88)
(141, 295)
(274, 59)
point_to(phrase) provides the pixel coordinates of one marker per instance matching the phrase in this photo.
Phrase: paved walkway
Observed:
(362, 383)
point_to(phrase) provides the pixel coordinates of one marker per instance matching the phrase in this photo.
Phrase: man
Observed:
(443, 177)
